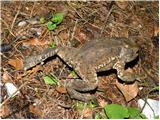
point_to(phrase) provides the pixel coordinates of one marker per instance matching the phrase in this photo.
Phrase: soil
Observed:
(22, 35)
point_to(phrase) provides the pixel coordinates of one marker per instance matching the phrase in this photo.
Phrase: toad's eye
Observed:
(126, 46)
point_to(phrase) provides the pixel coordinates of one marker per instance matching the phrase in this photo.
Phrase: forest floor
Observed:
(24, 33)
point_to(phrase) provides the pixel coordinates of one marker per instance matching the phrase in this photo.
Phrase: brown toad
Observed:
(94, 56)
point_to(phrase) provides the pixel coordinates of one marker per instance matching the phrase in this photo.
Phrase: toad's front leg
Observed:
(124, 75)
(36, 59)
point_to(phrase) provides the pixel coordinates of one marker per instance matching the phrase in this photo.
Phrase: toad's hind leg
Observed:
(88, 82)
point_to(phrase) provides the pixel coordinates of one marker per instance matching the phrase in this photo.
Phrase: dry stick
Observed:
(106, 21)
(13, 94)
(83, 19)
(7, 27)
(32, 9)
(15, 18)
(74, 29)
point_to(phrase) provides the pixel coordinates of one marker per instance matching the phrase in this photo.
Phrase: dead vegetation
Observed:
(22, 35)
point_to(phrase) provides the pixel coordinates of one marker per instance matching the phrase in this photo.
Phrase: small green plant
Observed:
(73, 74)
(81, 105)
(51, 25)
(115, 111)
(55, 20)
(42, 20)
(50, 80)
(53, 45)
(100, 115)
(93, 104)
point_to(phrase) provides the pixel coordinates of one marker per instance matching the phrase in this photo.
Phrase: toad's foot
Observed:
(128, 76)
(125, 75)
(86, 97)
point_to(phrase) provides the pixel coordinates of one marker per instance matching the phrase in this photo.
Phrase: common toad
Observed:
(94, 56)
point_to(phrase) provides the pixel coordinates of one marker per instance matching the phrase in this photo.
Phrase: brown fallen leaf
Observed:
(35, 41)
(35, 110)
(34, 69)
(122, 4)
(79, 35)
(61, 89)
(87, 113)
(129, 91)
(6, 77)
(16, 63)
(102, 102)
(4, 111)
(156, 30)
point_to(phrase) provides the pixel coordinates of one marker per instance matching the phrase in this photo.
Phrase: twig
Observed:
(106, 20)
(7, 27)
(74, 29)
(15, 18)
(32, 9)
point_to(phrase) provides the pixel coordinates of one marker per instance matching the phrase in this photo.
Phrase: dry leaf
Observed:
(4, 111)
(87, 113)
(35, 110)
(35, 41)
(156, 30)
(61, 89)
(17, 63)
(129, 91)
(35, 69)
(102, 102)
(122, 4)
(80, 35)
(6, 77)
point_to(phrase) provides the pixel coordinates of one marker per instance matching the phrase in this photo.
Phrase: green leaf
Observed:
(57, 18)
(51, 25)
(42, 20)
(143, 116)
(115, 111)
(50, 80)
(53, 44)
(134, 113)
(156, 117)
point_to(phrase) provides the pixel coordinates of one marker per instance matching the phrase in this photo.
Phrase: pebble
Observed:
(11, 89)
(22, 23)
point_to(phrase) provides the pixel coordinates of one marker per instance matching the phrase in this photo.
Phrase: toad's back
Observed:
(99, 51)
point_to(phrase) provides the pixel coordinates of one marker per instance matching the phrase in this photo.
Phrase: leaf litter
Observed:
(90, 17)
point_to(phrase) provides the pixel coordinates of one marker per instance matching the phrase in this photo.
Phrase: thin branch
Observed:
(106, 20)
(7, 27)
